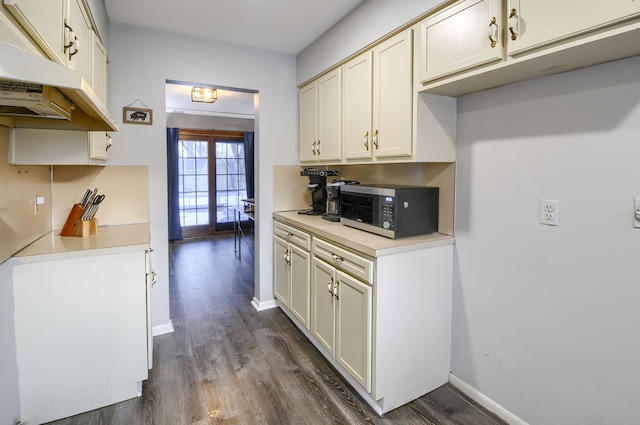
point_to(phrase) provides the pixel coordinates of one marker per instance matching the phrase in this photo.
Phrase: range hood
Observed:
(81, 108)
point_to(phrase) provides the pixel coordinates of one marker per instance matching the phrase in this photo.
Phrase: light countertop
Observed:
(109, 239)
(364, 242)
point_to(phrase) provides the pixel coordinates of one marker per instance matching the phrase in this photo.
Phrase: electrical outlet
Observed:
(37, 201)
(549, 212)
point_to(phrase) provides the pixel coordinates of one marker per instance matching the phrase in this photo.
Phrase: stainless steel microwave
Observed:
(393, 211)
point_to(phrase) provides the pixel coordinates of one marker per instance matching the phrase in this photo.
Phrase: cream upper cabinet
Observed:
(98, 68)
(61, 28)
(536, 23)
(43, 21)
(320, 119)
(377, 101)
(466, 35)
(357, 101)
(474, 45)
(392, 96)
(78, 36)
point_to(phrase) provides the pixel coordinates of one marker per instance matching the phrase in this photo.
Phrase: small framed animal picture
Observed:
(137, 115)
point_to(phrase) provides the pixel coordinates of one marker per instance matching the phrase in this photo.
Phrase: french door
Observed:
(212, 180)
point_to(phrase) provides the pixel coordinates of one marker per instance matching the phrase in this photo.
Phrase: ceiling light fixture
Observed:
(204, 94)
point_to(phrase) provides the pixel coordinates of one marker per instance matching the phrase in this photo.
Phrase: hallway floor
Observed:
(225, 363)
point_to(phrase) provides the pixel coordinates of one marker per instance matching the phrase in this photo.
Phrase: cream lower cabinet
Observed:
(383, 322)
(291, 270)
(342, 319)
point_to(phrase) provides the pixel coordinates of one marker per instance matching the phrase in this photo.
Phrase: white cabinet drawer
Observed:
(292, 235)
(347, 261)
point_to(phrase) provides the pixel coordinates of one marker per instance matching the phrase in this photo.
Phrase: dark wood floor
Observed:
(228, 364)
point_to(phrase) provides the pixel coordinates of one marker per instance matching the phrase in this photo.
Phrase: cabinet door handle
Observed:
(493, 32)
(366, 140)
(330, 286)
(313, 147)
(318, 147)
(512, 22)
(335, 289)
(375, 139)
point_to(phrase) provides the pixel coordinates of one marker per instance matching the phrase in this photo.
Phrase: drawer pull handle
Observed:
(493, 32)
(513, 24)
(337, 258)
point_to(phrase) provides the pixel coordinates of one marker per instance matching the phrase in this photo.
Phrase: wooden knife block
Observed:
(76, 227)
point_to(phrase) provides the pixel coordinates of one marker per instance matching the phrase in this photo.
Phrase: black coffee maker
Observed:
(317, 185)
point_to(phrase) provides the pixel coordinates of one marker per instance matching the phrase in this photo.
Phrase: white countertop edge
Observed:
(37, 258)
(364, 242)
(108, 240)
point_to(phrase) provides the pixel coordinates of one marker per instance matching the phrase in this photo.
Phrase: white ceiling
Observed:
(285, 26)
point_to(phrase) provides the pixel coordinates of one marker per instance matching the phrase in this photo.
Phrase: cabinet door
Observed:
(323, 311)
(392, 96)
(300, 274)
(357, 99)
(329, 146)
(43, 20)
(308, 114)
(78, 56)
(98, 68)
(354, 328)
(99, 143)
(458, 38)
(281, 270)
(541, 22)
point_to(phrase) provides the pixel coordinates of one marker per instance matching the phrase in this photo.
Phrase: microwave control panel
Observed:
(387, 212)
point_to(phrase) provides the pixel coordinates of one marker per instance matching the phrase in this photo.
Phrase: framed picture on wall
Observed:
(131, 115)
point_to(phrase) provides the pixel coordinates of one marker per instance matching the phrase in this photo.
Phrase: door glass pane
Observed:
(230, 179)
(193, 183)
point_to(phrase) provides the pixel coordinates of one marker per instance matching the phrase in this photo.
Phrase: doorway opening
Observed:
(210, 149)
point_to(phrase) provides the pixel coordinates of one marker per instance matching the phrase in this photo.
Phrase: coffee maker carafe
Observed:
(332, 212)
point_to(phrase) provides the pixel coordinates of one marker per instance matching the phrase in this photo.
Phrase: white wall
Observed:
(141, 62)
(546, 318)
(367, 23)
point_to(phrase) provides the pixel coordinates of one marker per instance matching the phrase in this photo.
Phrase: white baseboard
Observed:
(485, 401)
(166, 328)
(263, 305)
